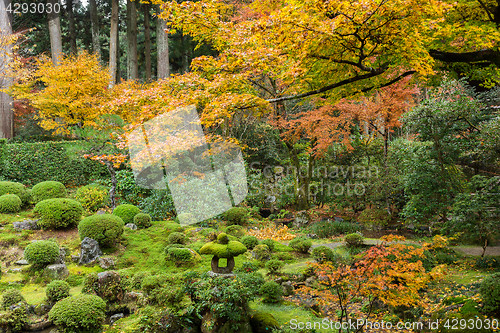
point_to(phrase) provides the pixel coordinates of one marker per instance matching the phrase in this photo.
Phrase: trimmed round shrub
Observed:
(250, 242)
(10, 203)
(48, 190)
(354, 240)
(182, 256)
(142, 220)
(323, 253)
(235, 230)
(126, 212)
(236, 215)
(271, 292)
(105, 228)
(269, 243)
(274, 266)
(92, 197)
(300, 244)
(177, 238)
(79, 314)
(490, 293)
(15, 188)
(261, 252)
(57, 290)
(41, 253)
(10, 297)
(58, 213)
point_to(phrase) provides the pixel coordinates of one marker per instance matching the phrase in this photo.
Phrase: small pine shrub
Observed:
(142, 220)
(15, 188)
(10, 203)
(79, 314)
(106, 229)
(235, 230)
(250, 241)
(58, 213)
(41, 253)
(300, 244)
(92, 197)
(48, 190)
(322, 254)
(353, 240)
(10, 297)
(126, 212)
(177, 238)
(274, 266)
(236, 215)
(269, 243)
(490, 293)
(57, 290)
(271, 292)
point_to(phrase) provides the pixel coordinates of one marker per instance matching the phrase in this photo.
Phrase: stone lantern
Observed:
(222, 247)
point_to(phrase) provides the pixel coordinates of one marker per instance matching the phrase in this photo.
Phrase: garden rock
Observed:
(301, 219)
(288, 288)
(57, 271)
(310, 281)
(106, 263)
(26, 225)
(40, 309)
(338, 219)
(75, 258)
(90, 251)
(22, 262)
(115, 317)
(100, 212)
(132, 296)
(312, 236)
(109, 286)
(62, 256)
(131, 226)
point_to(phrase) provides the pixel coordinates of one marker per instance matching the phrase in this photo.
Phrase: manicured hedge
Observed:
(32, 163)
(41, 253)
(58, 213)
(10, 203)
(79, 314)
(48, 190)
(105, 228)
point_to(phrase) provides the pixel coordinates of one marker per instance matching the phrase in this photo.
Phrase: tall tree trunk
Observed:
(72, 28)
(55, 33)
(94, 19)
(113, 40)
(163, 66)
(132, 65)
(185, 54)
(114, 183)
(147, 42)
(6, 111)
(118, 57)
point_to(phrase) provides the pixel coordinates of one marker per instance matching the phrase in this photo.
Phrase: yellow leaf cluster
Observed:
(277, 234)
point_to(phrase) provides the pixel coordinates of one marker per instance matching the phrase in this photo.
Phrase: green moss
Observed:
(263, 322)
(231, 249)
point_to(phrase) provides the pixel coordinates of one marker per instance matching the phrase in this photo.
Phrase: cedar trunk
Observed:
(132, 63)
(55, 33)
(94, 19)
(147, 42)
(163, 67)
(6, 111)
(113, 42)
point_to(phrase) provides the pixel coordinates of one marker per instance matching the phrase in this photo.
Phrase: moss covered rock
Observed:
(263, 322)
(223, 247)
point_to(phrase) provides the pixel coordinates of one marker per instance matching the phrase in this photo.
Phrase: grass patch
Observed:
(285, 312)
(9, 218)
(297, 267)
(83, 270)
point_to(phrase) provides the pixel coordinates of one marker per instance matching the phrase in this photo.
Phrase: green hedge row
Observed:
(31, 163)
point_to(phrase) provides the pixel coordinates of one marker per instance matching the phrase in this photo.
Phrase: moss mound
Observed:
(48, 190)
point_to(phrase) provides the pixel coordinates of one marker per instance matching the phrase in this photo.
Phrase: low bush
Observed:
(15, 188)
(142, 220)
(126, 212)
(41, 253)
(271, 292)
(487, 263)
(490, 293)
(322, 254)
(159, 205)
(236, 215)
(248, 267)
(250, 241)
(327, 229)
(57, 290)
(274, 266)
(353, 240)
(10, 297)
(105, 228)
(92, 197)
(182, 256)
(58, 213)
(235, 230)
(269, 243)
(261, 252)
(79, 314)
(177, 238)
(185, 219)
(374, 218)
(300, 244)
(48, 190)
(10, 203)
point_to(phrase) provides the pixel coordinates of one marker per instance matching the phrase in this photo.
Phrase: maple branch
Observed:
(329, 87)
(488, 12)
(483, 55)
(348, 62)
